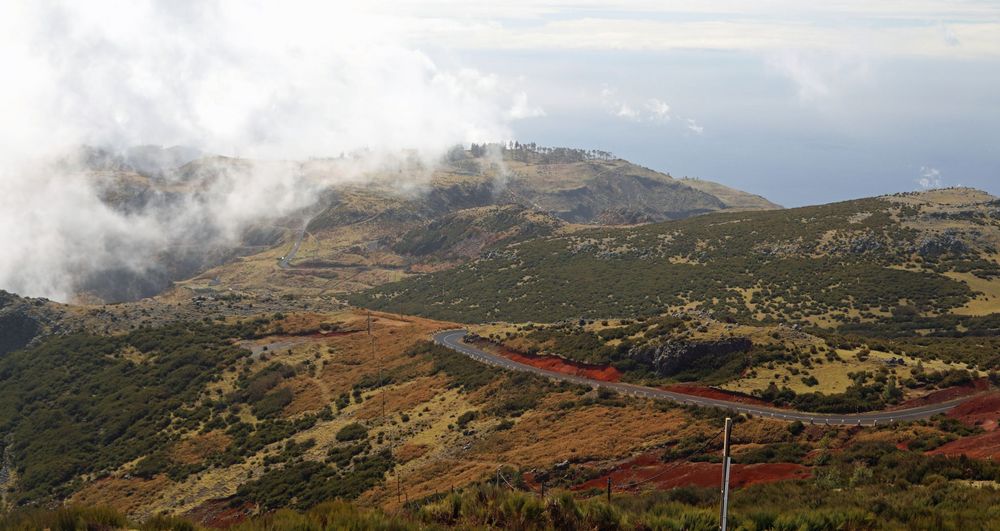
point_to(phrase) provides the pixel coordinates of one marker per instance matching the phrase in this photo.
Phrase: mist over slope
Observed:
(364, 233)
(259, 82)
(178, 212)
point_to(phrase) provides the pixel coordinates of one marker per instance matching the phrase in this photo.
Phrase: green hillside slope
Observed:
(854, 261)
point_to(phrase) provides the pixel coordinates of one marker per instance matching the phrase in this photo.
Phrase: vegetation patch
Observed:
(75, 405)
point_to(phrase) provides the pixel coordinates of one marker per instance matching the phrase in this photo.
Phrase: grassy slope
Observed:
(825, 265)
(449, 421)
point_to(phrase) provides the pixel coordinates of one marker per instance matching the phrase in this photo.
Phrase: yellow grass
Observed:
(833, 375)
(987, 298)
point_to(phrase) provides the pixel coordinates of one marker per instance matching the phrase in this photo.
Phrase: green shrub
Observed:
(352, 432)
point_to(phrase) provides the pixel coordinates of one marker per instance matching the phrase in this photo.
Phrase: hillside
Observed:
(231, 417)
(230, 398)
(390, 225)
(932, 254)
(250, 394)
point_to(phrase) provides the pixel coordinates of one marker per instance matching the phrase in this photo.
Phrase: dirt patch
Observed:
(219, 513)
(125, 495)
(937, 397)
(982, 446)
(353, 358)
(543, 438)
(983, 411)
(604, 373)
(307, 395)
(197, 448)
(409, 452)
(403, 397)
(305, 323)
(648, 470)
(718, 394)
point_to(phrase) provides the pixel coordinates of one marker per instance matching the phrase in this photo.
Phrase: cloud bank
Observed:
(263, 81)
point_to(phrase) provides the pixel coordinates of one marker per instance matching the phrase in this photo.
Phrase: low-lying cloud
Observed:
(929, 178)
(266, 82)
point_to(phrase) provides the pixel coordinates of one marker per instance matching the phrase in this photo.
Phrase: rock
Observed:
(674, 356)
(947, 242)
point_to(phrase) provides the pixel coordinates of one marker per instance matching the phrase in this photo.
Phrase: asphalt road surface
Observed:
(453, 339)
(286, 260)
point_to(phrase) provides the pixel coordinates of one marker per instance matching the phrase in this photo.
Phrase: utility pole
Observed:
(378, 361)
(724, 513)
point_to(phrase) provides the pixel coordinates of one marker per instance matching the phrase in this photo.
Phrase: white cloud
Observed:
(658, 109)
(693, 126)
(650, 110)
(520, 108)
(262, 80)
(627, 112)
(929, 177)
(819, 76)
(898, 30)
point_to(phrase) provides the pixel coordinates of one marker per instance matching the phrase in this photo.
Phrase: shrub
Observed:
(352, 432)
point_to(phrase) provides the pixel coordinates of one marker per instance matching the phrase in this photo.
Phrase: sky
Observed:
(801, 102)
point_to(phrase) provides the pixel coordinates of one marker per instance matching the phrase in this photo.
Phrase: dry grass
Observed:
(196, 448)
(408, 452)
(131, 496)
(402, 398)
(833, 375)
(986, 301)
(307, 396)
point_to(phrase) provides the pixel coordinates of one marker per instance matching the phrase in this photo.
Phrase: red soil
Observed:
(718, 394)
(983, 411)
(604, 373)
(218, 513)
(982, 446)
(678, 474)
(944, 395)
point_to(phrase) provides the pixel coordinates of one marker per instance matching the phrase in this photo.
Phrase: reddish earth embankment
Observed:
(937, 397)
(604, 373)
(648, 471)
(982, 446)
(718, 394)
(983, 411)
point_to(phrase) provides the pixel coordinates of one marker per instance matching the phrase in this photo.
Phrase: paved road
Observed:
(286, 260)
(453, 339)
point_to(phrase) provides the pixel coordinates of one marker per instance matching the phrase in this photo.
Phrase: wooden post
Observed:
(609, 489)
(724, 512)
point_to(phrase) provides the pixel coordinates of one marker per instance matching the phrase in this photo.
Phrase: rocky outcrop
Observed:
(949, 242)
(17, 326)
(672, 357)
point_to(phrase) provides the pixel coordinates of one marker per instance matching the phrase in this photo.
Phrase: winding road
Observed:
(454, 339)
(285, 262)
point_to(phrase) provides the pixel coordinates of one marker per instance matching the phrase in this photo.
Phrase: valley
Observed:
(403, 352)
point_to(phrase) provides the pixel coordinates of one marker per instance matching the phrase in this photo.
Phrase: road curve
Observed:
(453, 339)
